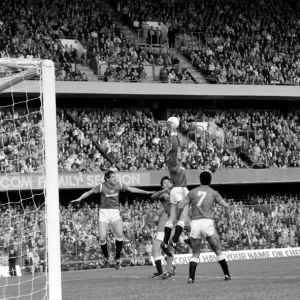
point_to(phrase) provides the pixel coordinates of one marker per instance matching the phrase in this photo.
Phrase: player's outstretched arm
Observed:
(83, 196)
(138, 191)
(157, 195)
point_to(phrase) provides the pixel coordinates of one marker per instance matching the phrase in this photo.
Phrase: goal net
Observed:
(29, 223)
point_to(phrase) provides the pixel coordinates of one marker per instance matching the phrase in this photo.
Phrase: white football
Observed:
(174, 121)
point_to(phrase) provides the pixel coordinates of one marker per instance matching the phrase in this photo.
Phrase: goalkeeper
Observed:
(178, 192)
(162, 217)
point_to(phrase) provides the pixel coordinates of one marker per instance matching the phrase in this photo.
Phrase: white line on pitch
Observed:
(173, 278)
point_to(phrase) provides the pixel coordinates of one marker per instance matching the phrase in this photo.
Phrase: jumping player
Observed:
(162, 217)
(178, 192)
(109, 212)
(202, 201)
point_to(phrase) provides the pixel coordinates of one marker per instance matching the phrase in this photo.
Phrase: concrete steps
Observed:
(186, 64)
(88, 71)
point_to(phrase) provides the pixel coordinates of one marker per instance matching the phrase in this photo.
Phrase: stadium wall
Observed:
(187, 91)
(35, 181)
(183, 259)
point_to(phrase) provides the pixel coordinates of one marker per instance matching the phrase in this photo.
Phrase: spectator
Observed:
(12, 262)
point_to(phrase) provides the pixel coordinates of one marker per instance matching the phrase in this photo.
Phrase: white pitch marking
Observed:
(203, 277)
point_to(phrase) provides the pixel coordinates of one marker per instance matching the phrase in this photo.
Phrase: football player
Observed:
(202, 201)
(109, 212)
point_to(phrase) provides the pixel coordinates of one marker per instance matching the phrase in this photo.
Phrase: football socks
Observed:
(192, 270)
(119, 245)
(178, 231)
(104, 250)
(168, 231)
(224, 266)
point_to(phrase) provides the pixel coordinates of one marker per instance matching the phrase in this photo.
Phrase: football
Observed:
(174, 122)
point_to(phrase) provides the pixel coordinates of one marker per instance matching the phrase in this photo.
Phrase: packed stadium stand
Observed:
(220, 42)
(259, 222)
(254, 45)
(129, 139)
(242, 138)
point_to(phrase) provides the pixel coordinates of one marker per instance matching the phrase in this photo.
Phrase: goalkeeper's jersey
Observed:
(178, 176)
(177, 172)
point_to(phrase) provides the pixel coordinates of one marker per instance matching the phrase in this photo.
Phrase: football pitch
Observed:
(269, 279)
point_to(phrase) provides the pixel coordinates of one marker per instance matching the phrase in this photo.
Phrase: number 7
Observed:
(202, 196)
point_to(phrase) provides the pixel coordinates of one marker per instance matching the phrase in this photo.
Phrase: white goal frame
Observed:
(51, 163)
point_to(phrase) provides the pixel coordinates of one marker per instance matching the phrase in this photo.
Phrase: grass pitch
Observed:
(256, 279)
(269, 279)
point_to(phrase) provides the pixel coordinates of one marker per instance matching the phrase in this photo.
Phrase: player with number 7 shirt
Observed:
(202, 200)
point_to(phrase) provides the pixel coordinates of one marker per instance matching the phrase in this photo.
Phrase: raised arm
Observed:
(157, 195)
(138, 191)
(83, 196)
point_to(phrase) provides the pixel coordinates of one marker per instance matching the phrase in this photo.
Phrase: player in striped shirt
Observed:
(202, 201)
(178, 192)
(109, 212)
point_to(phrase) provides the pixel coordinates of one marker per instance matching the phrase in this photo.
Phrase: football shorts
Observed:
(160, 236)
(109, 215)
(202, 228)
(178, 194)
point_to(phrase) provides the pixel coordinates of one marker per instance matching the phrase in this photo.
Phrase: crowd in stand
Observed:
(124, 73)
(130, 53)
(131, 68)
(247, 41)
(243, 42)
(22, 231)
(133, 140)
(175, 75)
(258, 222)
(265, 137)
(25, 34)
(21, 142)
(172, 13)
(128, 63)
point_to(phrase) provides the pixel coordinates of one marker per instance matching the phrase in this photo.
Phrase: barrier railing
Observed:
(153, 71)
(260, 166)
(82, 251)
(212, 77)
(198, 133)
(103, 67)
(193, 40)
(235, 138)
(124, 80)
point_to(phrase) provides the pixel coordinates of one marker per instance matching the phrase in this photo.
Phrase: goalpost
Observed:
(18, 106)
